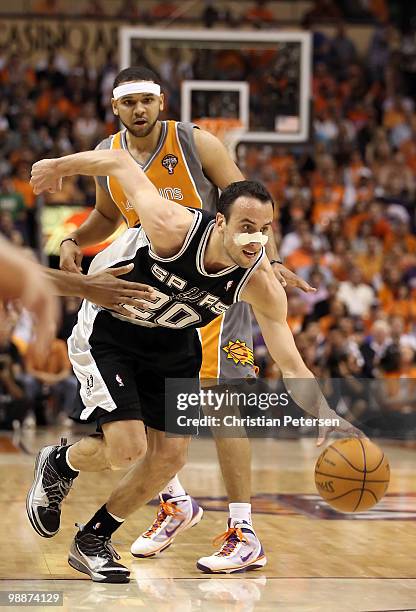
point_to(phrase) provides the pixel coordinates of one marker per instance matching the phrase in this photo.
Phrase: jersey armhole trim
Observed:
(201, 252)
(191, 178)
(243, 282)
(188, 238)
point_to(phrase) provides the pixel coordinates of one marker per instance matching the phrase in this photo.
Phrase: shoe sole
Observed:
(192, 523)
(116, 578)
(257, 564)
(39, 463)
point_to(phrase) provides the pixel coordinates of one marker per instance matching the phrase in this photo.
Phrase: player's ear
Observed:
(162, 102)
(114, 105)
(220, 221)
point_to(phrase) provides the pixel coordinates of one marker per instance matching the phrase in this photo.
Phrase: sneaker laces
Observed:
(229, 539)
(55, 486)
(98, 545)
(166, 508)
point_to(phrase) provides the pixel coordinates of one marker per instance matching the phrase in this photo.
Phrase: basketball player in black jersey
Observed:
(198, 265)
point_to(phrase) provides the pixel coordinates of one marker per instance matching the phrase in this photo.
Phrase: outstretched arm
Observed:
(22, 279)
(283, 274)
(269, 303)
(165, 223)
(102, 288)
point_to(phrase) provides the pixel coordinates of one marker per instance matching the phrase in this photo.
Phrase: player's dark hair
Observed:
(252, 189)
(136, 73)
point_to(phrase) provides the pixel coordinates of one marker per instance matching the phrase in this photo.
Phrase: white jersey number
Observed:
(177, 316)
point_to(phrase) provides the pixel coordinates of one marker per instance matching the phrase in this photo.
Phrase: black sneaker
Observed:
(94, 555)
(43, 502)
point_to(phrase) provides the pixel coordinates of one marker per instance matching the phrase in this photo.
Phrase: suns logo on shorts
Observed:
(239, 352)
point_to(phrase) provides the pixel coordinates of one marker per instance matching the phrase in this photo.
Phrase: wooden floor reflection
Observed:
(317, 560)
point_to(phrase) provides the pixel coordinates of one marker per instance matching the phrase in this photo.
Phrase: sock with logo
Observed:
(240, 512)
(174, 488)
(103, 523)
(61, 463)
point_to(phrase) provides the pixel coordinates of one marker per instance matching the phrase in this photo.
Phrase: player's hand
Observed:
(70, 257)
(344, 428)
(45, 176)
(40, 301)
(108, 291)
(288, 278)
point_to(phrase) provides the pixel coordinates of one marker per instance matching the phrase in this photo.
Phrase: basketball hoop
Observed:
(227, 129)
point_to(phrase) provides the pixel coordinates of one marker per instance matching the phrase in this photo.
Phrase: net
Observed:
(265, 75)
(227, 129)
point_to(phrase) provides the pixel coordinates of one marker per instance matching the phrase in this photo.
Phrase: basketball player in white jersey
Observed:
(183, 253)
(187, 165)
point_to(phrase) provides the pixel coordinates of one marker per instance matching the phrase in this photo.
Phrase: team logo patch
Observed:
(239, 352)
(170, 162)
(119, 380)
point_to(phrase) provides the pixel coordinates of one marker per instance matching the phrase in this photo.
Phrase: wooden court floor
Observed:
(317, 560)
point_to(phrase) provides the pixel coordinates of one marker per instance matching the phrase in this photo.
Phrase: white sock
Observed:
(174, 488)
(240, 512)
(74, 469)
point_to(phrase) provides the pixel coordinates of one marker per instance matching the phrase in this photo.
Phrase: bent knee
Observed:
(171, 459)
(125, 445)
(121, 459)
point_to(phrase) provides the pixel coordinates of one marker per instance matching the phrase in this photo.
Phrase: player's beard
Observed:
(139, 132)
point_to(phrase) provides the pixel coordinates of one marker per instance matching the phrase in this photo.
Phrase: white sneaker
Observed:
(232, 590)
(175, 514)
(241, 551)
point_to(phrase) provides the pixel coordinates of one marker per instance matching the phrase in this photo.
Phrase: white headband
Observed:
(137, 87)
(243, 239)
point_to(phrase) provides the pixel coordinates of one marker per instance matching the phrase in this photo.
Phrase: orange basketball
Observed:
(352, 475)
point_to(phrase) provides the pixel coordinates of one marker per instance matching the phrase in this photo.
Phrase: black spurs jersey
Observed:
(187, 296)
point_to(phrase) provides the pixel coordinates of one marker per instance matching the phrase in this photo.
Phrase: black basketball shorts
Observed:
(122, 375)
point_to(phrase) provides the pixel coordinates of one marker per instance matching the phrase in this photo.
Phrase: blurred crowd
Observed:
(346, 220)
(35, 390)
(347, 225)
(259, 14)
